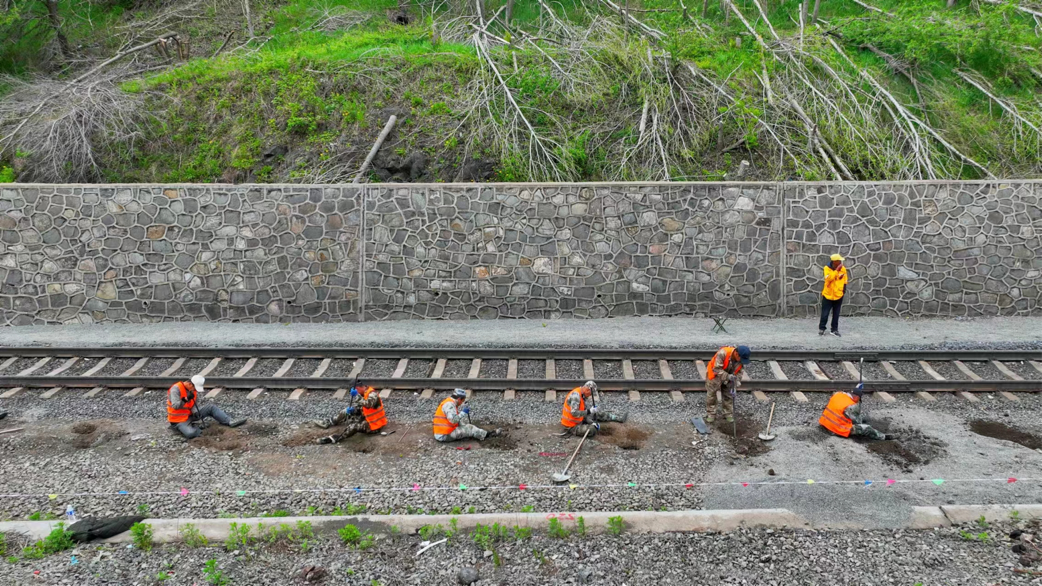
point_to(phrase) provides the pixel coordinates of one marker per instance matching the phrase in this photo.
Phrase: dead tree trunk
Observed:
(951, 3)
(510, 11)
(705, 8)
(56, 24)
(814, 17)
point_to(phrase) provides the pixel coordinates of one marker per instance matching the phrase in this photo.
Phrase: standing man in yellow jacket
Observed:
(832, 294)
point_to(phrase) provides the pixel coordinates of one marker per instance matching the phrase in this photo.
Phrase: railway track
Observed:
(94, 370)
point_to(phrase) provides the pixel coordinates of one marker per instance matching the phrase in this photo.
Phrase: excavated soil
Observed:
(91, 434)
(219, 438)
(743, 435)
(1002, 431)
(910, 448)
(624, 436)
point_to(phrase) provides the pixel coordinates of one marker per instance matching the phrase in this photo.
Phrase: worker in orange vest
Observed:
(365, 414)
(832, 293)
(577, 416)
(843, 416)
(721, 375)
(448, 420)
(183, 414)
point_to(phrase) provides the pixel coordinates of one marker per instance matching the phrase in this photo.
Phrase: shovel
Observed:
(767, 436)
(564, 476)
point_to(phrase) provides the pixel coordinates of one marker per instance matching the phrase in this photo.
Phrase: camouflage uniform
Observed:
(719, 384)
(861, 428)
(464, 431)
(589, 418)
(356, 422)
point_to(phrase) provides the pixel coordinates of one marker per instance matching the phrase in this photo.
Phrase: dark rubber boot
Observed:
(237, 422)
(617, 418)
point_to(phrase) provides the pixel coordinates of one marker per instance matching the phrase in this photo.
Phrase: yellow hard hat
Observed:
(837, 257)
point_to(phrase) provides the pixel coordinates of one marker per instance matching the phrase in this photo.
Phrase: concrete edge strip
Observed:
(217, 530)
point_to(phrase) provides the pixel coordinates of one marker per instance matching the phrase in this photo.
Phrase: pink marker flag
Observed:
(522, 486)
(184, 491)
(890, 481)
(1010, 480)
(745, 484)
(415, 487)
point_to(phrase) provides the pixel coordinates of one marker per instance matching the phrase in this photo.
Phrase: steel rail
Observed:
(486, 384)
(507, 353)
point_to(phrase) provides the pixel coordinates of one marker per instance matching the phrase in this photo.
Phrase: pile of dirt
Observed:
(627, 437)
(909, 449)
(220, 438)
(261, 429)
(504, 442)
(1002, 431)
(308, 435)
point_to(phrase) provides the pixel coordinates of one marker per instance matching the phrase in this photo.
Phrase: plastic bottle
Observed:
(70, 514)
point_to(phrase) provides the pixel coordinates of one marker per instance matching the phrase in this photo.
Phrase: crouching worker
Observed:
(182, 412)
(843, 416)
(448, 420)
(364, 415)
(577, 418)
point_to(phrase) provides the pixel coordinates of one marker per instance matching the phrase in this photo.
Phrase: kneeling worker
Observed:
(448, 420)
(367, 416)
(843, 416)
(182, 413)
(723, 373)
(576, 418)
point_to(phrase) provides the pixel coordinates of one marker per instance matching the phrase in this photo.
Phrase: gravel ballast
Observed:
(750, 557)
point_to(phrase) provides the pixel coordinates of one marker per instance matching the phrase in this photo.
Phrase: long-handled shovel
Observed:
(564, 476)
(767, 436)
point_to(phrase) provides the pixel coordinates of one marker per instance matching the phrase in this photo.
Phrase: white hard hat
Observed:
(198, 380)
(591, 385)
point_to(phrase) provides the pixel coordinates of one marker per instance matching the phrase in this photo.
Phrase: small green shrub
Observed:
(143, 509)
(42, 516)
(142, 536)
(356, 538)
(238, 537)
(57, 541)
(278, 513)
(522, 533)
(162, 576)
(429, 532)
(557, 530)
(615, 526)
(580, 527)
(191, 536)
(6, 175)
(213, 575)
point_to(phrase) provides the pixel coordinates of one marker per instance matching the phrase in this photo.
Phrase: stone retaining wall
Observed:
(106, 253)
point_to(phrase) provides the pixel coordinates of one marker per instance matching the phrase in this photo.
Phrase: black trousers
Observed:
(828, 305)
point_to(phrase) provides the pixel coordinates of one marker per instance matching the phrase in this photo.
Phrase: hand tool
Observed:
(767, 436)
(563, 476)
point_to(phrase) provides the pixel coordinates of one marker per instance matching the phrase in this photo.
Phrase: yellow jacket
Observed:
(835, 281)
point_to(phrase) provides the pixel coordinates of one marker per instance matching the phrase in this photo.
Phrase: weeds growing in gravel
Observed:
(527, 509)
(313, 512)
(162, 576)
(1014, 515)
(278, 513)
(428, 532)
(580, 527)
(191, 536)
(3, 544)
(349, 509)
(486, 536)
(522, 533)
(453, 529)
(970, 536)
(58, 540)
(42, 516)
(213, 575)
(615, 526)
(540, 557)
(355, 537)
(557, 530)
(238, 537)
(143, 509)
(142, 535)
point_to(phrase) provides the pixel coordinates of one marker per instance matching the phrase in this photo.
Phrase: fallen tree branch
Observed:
(1015, 6)
(655, 33)
(908, 114)
(376, 147)
(160, 39)
(1006, 106)
(873, 8)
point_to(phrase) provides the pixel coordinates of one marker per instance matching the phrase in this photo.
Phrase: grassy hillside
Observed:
(564, 90)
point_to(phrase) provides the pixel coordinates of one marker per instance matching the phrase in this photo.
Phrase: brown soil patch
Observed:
(220, 438)
(1002, 431)
(743, 435)
(91, 434)
(814, 435)
(908, 450)
(503, 442)
(261, 429)
(622, 435)
(273, 465)
(84, 428)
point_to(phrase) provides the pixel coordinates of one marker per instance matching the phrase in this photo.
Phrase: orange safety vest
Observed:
(711, 371)
(442, 425)
(376, 417)
(834, 419)
(567, 418)
(180, 415)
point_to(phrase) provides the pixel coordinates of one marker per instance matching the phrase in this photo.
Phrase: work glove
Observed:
(352, 410)
(860, 387)
(593, 409)
(466, 411)
(732, 378)
(597, 426)
(354, 392)
(737, 382)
